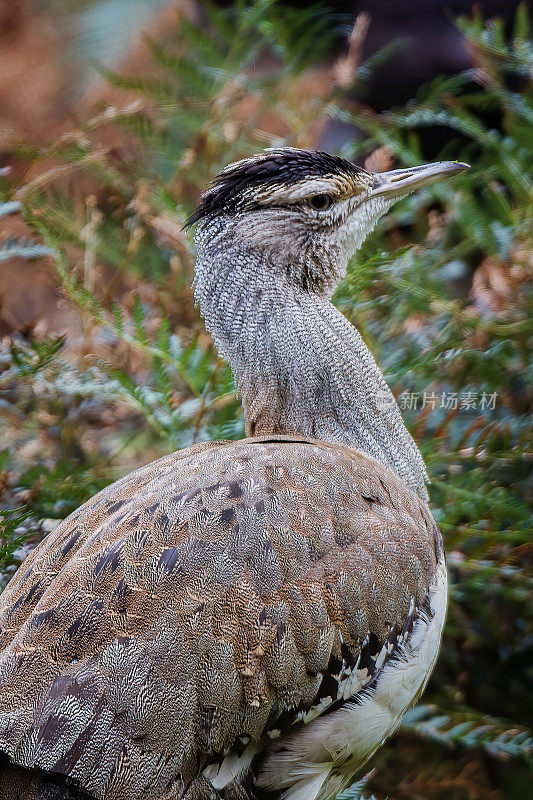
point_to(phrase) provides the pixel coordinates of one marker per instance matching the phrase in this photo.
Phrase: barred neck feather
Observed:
(299, 365)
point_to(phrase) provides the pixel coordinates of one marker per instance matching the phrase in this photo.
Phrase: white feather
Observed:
(341, 742)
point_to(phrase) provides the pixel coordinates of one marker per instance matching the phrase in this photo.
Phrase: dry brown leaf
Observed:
(496, 285)
(345, 68)
(380, 160)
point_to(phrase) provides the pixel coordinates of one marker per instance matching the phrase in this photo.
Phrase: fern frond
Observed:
(471, 730)
(23, 248)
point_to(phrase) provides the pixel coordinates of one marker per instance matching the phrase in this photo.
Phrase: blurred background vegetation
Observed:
(108, 138)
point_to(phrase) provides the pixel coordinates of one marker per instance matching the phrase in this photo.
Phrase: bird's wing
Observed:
(205, 601)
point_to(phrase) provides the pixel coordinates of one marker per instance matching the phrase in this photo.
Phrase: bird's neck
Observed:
(300, 367)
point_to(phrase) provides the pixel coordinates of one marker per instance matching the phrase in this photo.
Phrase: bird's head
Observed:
(307, 212)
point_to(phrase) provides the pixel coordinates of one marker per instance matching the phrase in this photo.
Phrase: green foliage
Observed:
(25, 359)
(11, 531)
(449, 320)
(499, 739)
(22, 248)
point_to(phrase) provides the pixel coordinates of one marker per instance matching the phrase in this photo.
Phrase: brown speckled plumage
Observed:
(196, 600)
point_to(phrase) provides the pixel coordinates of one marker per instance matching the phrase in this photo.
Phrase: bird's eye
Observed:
(320, 201)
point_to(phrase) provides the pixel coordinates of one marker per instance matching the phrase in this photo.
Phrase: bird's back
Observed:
(203, 606)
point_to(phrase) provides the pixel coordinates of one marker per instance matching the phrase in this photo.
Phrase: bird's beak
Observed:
(403, 181)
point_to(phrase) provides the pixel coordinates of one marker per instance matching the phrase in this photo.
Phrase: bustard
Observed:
(244, 619)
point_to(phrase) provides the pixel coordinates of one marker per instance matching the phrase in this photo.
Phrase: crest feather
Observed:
(283, 165)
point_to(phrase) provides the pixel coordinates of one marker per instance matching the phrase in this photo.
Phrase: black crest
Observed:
(285, 166)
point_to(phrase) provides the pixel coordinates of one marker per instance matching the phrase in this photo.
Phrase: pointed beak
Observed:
(403, 181)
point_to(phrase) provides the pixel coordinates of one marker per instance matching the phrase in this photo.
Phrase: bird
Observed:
(243, 620)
